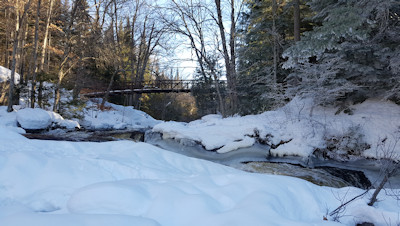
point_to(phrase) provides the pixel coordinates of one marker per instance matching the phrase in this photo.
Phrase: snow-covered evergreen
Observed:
(352, 56)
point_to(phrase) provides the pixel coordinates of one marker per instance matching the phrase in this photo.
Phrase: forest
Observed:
(250, 55)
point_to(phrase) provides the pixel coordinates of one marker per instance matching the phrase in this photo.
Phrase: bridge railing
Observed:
(152, 86)
(158, 84)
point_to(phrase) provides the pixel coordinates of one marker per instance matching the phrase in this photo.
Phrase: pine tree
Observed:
(266, 30)
(352, 56)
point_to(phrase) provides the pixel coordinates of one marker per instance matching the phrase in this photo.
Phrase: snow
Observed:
(46, 183)
(5, 75)
(63, 123)
(297, 129)
(7, 119)
(34, 118)
(115, 117)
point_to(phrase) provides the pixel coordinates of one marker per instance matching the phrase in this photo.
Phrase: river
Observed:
(361, 173)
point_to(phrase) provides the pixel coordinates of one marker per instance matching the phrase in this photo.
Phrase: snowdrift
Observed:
(47, 183)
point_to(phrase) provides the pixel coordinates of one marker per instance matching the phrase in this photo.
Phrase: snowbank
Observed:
(297, 129)
(34, 119)
(115, 117)
(47, 183)
(5, 75)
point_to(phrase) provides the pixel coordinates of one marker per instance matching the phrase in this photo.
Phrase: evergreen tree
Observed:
(352, 56)
(266, 31)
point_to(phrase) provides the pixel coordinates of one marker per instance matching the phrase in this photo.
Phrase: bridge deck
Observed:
(154, 86)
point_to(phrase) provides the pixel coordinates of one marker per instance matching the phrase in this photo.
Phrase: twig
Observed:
(344, 204)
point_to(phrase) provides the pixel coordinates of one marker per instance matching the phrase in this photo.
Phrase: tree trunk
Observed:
(296, 20)
(232, 45)
(377, 190)
(46, 35)
(7, 34)
(40, 93)
(229, 60)
(15, 49)
(61, 75)
(107, 94)
(275, 46)
(220, 100)
(35, 51)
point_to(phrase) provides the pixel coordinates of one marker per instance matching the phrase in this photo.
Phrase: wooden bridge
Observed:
(153, 86)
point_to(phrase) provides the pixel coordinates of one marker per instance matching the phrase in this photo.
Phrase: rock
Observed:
(354, 177)
(60, 122)
(365, 224)
(137, 136)
(34, 119)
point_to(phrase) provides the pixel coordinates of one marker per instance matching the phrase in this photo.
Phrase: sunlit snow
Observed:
(5, 75)
(125, 183)
(299, 127)
(47, 183)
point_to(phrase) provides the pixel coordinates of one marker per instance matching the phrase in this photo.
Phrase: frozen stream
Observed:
(254, 159)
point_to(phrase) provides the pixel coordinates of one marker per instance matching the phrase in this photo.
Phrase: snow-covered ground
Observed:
(298, 129)
(47, 183)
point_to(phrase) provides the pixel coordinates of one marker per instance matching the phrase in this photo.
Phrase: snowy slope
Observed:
(47, 183)
(296, 129)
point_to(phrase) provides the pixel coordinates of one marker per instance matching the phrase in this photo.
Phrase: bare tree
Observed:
(128, 47)
(389, 161)
(19, 21)
(191, 19)
(229, 53)
(35, 55)
(64, 68)
(7, 32)
(46, 35)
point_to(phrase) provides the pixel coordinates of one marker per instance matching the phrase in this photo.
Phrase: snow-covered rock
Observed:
(34, 118)
(5, 75)
(116, 117)
(59, 121)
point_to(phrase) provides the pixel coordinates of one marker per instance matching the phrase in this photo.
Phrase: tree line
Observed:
(339, 52)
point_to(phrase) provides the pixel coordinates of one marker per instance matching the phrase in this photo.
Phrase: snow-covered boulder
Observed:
(5, 75)
(59, 121)
(115, 118)
(34, 118)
